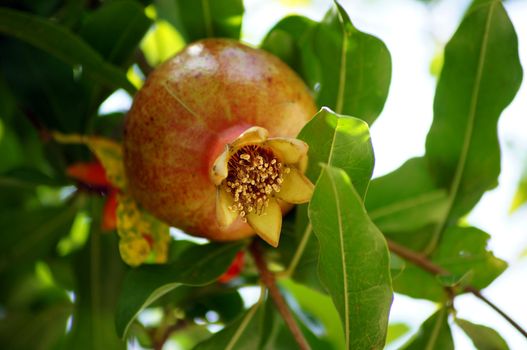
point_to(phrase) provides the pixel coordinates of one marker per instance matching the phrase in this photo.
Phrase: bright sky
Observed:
(413, 33)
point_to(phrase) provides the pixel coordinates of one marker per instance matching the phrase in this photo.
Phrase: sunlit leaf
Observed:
(161, 43)
(357, 67)
(396, 331)
(520, 197)
(354, 260)
(480, 77)
(204, 18)
(196, 265)
(63, 44)
(434, 333)
(484, 338)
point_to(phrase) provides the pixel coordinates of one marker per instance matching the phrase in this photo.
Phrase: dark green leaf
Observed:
(115, 29)
(289, 40)
(318, 307)
(99, 273)
(406, 199)
(357, 67)
(197, 265)
(480, 76)
(434, 334)
(63, 44)
(203, 18)
(339, 141)
(354, 260)
(31, 234)
(484, 338)
(244, 333)
(461, 250)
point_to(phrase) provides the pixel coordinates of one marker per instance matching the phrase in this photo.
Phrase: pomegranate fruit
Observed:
(208, 142)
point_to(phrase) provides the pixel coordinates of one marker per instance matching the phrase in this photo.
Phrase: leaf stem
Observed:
(299, 251)
(422, 261)
(269, 281)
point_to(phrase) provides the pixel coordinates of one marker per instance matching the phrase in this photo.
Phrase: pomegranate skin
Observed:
(189, 108)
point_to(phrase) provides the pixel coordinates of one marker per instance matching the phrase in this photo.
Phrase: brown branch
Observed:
(421, 261)
(143, 64)
(269, 281)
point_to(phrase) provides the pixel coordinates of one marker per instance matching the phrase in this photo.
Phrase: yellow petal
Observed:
(224, 215)
(296, 188)
(269, 224)
(290, 150)
(252, 135)
(220, 169)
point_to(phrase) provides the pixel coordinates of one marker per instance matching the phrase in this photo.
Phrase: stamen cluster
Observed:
(254, 175)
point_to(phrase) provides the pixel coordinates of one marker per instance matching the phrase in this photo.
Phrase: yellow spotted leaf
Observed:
(143, 238)
(108, 152)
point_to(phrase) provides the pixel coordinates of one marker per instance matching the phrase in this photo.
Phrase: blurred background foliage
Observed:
(61, 277)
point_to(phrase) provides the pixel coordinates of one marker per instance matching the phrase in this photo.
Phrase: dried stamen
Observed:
(255, 174)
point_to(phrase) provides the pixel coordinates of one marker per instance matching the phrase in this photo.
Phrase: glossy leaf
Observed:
(434, 334)
(484, 338)
(406, 199)
(196, 265)
(480, 76)
(460, 251)
(63, 44)
(208, 18)
(339, 141)
(356, 66)
(354, 260)
(115, 29)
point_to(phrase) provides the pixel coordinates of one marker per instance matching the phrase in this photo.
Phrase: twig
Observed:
(269, 281)
(421, 261)
(143, 64)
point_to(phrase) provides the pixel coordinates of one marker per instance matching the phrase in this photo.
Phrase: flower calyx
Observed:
(256, 176)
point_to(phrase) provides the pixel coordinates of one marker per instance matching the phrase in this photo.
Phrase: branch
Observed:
(269, 281)
(421, 261)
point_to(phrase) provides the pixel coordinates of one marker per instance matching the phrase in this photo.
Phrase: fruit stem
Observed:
(269, 281)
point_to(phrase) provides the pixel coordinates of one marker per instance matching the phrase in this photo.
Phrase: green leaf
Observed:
(63, 44)
(396, 331)
(197, 265)
(434, 334)
(480, 77)
(203, 18)
(318, 307)
(99, 273)
(484, 338)
(357, 67)
(289, 40)
(244, 333)
(340, 141)
(31, 234)
(354, 260)
(520, 197)
(406, 199)
(115, 29)
(460, 251)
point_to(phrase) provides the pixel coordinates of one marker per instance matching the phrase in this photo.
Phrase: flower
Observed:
(255, 176)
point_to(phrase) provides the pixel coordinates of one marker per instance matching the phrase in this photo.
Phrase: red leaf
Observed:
(235, 269)
(89, 173)
(109, 217)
